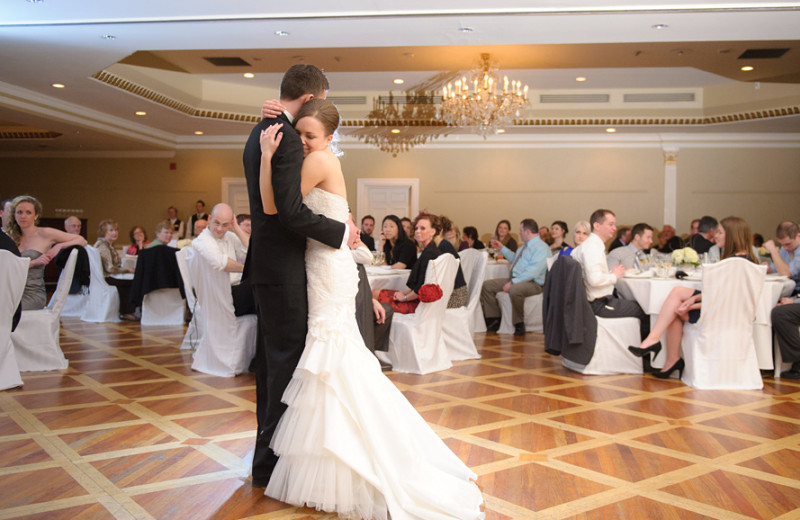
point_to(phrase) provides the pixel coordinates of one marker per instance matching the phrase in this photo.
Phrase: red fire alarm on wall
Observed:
(173, 166)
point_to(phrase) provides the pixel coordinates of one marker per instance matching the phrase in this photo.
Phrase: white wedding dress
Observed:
(350, 442)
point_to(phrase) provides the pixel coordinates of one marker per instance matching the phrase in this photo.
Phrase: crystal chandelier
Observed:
(398, 125)
(481, 102)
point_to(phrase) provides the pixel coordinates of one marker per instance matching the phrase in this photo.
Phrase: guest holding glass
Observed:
(40, 244)
(139, 241)
(399, 251)
(502, 233)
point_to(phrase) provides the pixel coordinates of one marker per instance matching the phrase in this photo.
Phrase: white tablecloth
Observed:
(382, 278)
(498, 269)
(650, 294)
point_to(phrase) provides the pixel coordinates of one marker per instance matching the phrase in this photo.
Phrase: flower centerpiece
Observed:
(685, 256)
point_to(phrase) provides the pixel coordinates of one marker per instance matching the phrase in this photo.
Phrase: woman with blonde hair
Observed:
(40, 244)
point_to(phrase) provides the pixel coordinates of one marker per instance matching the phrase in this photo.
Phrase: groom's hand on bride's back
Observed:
(271, 109)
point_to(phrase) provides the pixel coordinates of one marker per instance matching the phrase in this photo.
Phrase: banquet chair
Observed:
(719, 349)
(416, 342)
(458, 322)
(103, 302)
(13, 273)
(532, 308)
(157, 282)
(587, 344)
(192, 337)
(75, 304)
(36, 338)
(227, 343)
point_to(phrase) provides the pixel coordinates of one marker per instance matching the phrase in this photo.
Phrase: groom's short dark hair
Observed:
(303, 79)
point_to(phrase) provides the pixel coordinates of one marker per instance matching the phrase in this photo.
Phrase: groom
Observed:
(275, 264)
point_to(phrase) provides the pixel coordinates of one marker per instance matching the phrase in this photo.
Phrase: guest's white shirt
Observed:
(598, 280)
(217, 251)
(362, 255)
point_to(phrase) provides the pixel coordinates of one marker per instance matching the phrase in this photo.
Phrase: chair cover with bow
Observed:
(103, 303)
(13, 273)
(719, 349)
(192, 337)
(458, 323)
(227, 343)
(36, 339)
(416, 342)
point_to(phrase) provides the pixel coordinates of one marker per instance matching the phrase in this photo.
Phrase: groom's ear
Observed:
(306, 98)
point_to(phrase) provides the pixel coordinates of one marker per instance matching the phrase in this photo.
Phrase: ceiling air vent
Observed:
(573, 98)
(347, 100)
(226, 61)
(406, 100)
(665, 97)
(762, 54)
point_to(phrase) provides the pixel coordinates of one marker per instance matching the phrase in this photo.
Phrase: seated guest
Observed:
(373, 317)
(245, 224)
(597, 277)
(786, 325)
(622, 240)
(581, 233)
(449, 232)
(470, 239)
(683, 303)
(367, 227)
(72, 225)
(200, 214)
(198, 228)
(558, 233)
(502, 233)
(758, 240)
(178, 227)
(528, 270)
(107, 234)
(40, 244)
(694, 227)
(460, 295)
(786, 261)
(704, 238)
(139, 241)
(399, 250)
(408, 227)
(626, 255)
(667, 241)
(426, 227)
(5, 213)
(222, 246)
(163, 235)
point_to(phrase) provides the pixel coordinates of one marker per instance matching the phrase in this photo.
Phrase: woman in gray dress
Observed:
(40, 244)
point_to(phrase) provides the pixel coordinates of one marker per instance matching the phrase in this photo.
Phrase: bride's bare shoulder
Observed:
(322, 156)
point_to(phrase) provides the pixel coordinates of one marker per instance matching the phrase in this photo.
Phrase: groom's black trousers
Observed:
(282, 327)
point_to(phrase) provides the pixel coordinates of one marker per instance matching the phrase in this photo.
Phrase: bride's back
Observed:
(322, 169)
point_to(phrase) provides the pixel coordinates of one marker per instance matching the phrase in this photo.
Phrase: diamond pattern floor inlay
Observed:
(130, 432)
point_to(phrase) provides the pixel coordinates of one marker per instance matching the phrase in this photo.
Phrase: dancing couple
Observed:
(333, 432)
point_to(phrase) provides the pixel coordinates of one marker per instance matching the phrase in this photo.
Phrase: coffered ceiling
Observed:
(650, 67)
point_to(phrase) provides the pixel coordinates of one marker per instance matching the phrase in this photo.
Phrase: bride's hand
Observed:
(271, 109)
(270, 139)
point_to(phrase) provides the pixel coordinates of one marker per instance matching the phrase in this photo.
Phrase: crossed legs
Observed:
(670, 320)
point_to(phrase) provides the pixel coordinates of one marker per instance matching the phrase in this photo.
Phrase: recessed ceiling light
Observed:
(58, 85)
(747, 68)
(501, 130)
(580, 78)
(395, 130)
(108, 37)
(140, 113)
(465, 29)
(611, 130)
(198, 132)
(660, 26)
(281, 33)
(249, 75)
(398, 81)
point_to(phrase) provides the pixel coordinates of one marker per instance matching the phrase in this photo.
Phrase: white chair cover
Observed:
(36, 339)
(75, 304)
(551, 260)
(192, 337)
(532, 308)
(162, 307)
(416, 342)
(458, 323)
(611, 354)
(13, 273)
(103, 303)
(227, 343)
(719, 349)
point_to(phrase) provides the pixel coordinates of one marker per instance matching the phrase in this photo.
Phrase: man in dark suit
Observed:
(275, 264)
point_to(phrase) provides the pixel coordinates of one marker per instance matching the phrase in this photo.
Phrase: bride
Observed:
(349, 441)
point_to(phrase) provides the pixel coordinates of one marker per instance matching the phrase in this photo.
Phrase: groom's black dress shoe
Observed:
(257, 483)
(492, 324)
(791, 374)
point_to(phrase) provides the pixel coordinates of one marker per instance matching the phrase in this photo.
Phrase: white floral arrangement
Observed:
(685, 256)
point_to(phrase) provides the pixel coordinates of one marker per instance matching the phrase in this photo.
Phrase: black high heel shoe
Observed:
(666, 373)
(640, 352)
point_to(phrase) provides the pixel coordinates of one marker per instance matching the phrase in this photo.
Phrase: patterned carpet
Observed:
(129, 431)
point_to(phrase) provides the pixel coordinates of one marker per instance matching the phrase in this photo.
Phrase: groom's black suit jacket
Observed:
(275, 269)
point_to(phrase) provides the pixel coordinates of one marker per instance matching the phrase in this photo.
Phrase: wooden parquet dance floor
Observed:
(129, 431)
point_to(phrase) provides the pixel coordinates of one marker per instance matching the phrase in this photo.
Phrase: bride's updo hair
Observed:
(323, 111)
